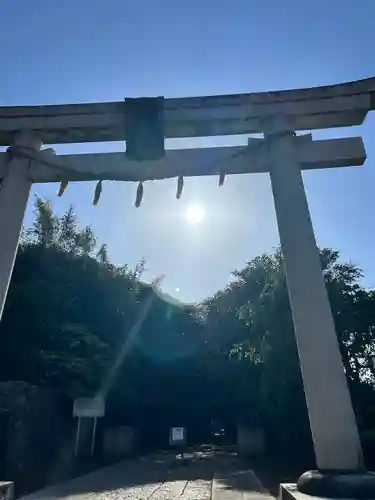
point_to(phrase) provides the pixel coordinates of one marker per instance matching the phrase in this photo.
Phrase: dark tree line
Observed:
(79, 324)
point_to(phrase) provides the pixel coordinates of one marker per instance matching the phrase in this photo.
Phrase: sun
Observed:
(195, 214)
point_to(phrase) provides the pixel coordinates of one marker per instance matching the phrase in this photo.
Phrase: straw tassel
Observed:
(63, 186)
(97, 193)
(221, 178)
(139, 196)
(180, 187)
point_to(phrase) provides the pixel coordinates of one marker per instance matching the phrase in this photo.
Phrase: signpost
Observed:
(177, 439)
(88, 408)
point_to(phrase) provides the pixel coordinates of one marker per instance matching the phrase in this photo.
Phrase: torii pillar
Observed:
(338, 451)
(14, 194)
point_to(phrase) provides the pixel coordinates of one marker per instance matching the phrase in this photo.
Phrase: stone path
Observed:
(206, 475)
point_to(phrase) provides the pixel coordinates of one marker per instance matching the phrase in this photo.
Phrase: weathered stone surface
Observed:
(250, 441)
(31, 433)
(206, 476)
(356, 484)
(119, 442)
(6, 490)
(289, 491)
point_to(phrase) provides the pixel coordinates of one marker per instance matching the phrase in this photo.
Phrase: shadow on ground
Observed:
(140, 478)
(272, 471)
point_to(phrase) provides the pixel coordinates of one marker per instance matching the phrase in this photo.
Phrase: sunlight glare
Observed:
(195, 214)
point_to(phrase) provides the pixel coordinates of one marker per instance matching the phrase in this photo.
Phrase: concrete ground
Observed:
(206, 474)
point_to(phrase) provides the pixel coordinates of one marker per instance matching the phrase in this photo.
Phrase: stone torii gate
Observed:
(144, 123)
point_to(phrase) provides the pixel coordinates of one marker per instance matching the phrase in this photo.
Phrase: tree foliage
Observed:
(80, 324)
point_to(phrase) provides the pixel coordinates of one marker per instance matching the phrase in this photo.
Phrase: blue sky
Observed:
(84, 51)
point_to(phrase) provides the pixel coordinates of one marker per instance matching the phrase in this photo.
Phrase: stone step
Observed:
(238, 485)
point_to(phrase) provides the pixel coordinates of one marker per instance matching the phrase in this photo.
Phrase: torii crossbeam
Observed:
(282, 153)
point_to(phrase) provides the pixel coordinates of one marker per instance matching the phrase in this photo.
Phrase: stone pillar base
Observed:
(357, 485)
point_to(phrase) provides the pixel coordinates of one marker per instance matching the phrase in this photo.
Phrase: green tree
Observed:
(78, 323)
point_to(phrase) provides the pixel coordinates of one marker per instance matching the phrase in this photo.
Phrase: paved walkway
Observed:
(206, 475)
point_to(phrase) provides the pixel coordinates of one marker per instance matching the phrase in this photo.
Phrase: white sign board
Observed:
(177, 435)
(89, 407)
